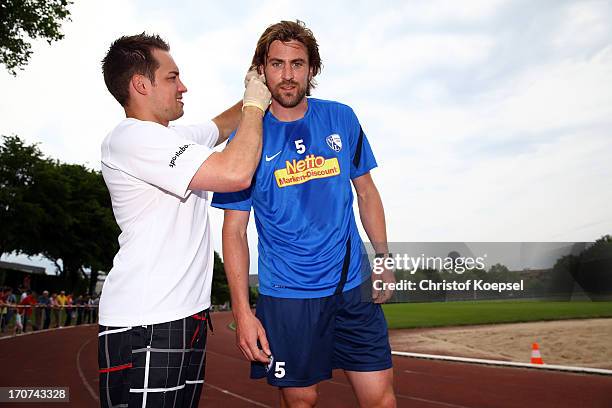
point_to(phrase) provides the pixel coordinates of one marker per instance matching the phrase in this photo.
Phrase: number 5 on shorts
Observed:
(279, 369)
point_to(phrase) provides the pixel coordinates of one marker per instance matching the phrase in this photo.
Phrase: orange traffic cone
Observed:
(536, 357)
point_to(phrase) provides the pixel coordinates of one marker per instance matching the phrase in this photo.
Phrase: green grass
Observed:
(411, 315)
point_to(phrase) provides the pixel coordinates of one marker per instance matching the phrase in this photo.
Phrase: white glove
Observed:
(252, 73)
(256, 93)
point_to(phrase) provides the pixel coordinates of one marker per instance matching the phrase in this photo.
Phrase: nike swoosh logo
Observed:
(270, 158)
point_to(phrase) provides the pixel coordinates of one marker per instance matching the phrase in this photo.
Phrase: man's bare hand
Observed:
(248, 331)
(383, 293)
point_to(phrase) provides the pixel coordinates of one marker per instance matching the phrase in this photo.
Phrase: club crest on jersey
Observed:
(334, 142)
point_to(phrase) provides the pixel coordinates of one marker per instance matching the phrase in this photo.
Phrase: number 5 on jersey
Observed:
(279, 369)
(299, 146)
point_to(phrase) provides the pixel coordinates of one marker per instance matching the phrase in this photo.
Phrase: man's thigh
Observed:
(362, 350)
(361, 337)
(160, 365)
(300, 334)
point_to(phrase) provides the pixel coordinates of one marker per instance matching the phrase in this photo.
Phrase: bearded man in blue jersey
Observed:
(311, 316)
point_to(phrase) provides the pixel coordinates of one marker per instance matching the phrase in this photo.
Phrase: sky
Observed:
(491, 120)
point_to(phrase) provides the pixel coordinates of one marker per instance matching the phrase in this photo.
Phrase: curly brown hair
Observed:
(286, 31)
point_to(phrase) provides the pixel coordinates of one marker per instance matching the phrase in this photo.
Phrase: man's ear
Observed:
(310, 73)
(140, 84)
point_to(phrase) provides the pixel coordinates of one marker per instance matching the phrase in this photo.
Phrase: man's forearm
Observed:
(244, 152)
(241, 157)
(227, 121)
(236, 262)
(372, 214)
(233, 168)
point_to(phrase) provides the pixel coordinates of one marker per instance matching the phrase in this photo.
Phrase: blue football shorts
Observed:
(310, 337)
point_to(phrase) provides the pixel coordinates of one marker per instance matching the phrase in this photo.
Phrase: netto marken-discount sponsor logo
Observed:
(177, 154)
(310, 168)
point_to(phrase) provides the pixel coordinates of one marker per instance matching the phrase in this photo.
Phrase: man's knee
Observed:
(387, 400)
(299, 397)
(383, 399)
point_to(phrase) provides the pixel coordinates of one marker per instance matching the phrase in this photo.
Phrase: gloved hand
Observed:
(252, 73)
(256, 93)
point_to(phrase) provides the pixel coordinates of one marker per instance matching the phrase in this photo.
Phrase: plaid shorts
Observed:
(158, 365)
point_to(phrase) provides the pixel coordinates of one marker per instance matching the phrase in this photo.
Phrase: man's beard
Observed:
(289, 101)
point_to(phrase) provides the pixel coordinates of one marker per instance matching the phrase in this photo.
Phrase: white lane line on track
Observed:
(241, 359)
(445, 404)
(551, 367)
(83, 379)
(434, 375)
(45, 331)
(224, 391)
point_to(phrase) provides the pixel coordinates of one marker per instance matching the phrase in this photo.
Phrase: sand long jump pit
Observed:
(580, 343)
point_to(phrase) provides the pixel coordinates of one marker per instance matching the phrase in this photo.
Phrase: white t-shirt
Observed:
(163, 270)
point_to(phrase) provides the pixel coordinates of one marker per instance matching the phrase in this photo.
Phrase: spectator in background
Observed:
(80, 303)
(54, 309)
(27, 281)
(18, 321)
(3, 308)
(60, 300)
(10, 301)
(37, 313)
(68, 310)
(19, 295)
(88, 301)
(29, 302)
(95, 303)
(45, 309)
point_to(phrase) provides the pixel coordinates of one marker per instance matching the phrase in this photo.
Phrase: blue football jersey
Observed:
(301, 194)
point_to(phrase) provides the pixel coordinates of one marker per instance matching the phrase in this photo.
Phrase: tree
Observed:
(220, 289)
(501, 273)
(80, 229)
(62, 211)
(20, 216)
(560, 283)
(31, 18)
(594, 271)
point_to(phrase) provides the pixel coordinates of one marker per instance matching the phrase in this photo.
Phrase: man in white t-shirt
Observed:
(154, 304)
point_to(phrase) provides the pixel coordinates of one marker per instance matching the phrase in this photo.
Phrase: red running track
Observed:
(68, 357)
